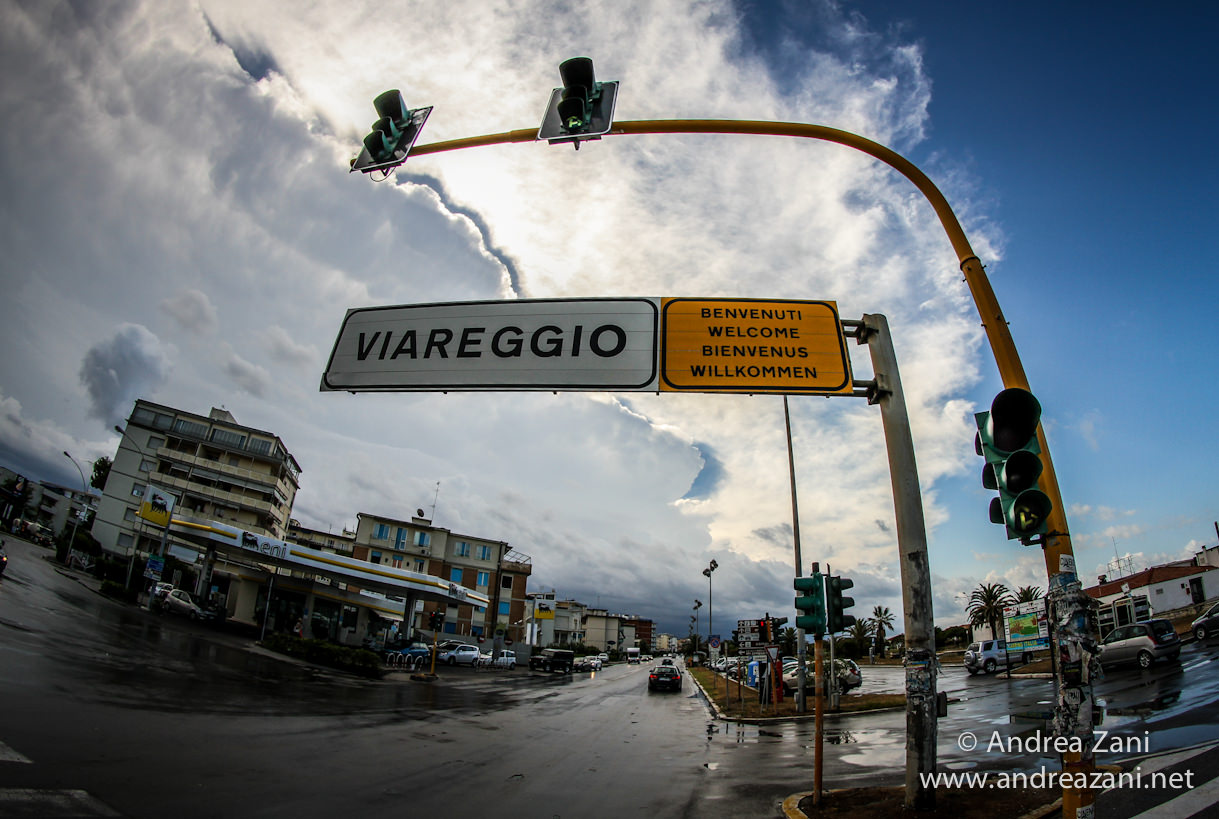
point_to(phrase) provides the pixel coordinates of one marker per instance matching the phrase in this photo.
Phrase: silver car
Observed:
(179, 601)
(1143, 643)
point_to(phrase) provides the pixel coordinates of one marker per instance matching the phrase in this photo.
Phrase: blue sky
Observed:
(180, 226)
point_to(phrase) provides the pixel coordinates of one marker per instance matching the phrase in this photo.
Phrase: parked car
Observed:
(156, 600)
(179, 601)
(985, 656)
(849, 676)
(448, 645)
(1207, 625)
(460, 655)
(506, 659)
(1143, 643)
(603, 657)
(553, 659)
(664, 676)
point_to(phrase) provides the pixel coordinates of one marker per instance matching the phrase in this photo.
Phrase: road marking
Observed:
(1151, 764)
(7, 754)
(1187, 804)
(30, 802)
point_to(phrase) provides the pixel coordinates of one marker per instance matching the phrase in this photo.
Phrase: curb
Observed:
(791, 807)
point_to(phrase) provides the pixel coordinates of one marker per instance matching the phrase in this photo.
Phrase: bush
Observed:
(118, 591)
(345, 658)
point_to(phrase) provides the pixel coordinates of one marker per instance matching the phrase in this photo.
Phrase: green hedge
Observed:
(111, 588)
(345, 658)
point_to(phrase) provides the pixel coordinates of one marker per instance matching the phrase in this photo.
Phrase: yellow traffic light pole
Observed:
(1069, 605)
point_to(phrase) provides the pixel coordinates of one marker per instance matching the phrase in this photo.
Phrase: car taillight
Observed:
(651, 676)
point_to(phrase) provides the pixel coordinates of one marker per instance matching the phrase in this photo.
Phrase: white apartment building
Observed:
(215, 467)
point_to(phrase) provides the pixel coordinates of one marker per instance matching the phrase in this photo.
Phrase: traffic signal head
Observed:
(582, 109)
(1007, 439)
(835, 620)
(810, 605)
(393, 134)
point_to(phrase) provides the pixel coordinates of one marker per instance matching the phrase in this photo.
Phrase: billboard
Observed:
(1026, 626)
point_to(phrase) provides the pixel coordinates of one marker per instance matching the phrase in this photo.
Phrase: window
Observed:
(129, 515)
(190, 428)
(419, 566)
(147, 465)
(137, 490)
(125, 541)
(376, 557)
(423, 539)
(483, 579)
(259, 445)
(228, 437)
(155, 442)
(484, 552)
(400, 540)
(505, 582)
(503, 607)
(463, 549)
(381, 532)
(455, 575)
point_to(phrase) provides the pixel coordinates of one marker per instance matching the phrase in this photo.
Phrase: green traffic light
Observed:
(811, 603)
(1007, 439)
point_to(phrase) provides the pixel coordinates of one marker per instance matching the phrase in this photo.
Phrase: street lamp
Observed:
(84, 491)
(710, 610)
(698, 604)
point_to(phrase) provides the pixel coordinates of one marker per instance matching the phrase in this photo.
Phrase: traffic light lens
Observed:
(390, 104)
(577, 71)
(1029, 511)
(1014, 415)
(1020, 471)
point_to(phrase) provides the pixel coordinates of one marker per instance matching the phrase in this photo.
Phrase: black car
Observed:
(664, 676)
(1207, 625)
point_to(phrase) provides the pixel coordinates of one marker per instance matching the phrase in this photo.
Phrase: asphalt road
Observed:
(108, 710)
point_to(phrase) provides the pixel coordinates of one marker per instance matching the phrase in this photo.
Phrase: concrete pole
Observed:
(801, 650)
(921, 710)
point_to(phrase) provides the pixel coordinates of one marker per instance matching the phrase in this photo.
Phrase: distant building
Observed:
(1167, 588)
(488, 566)
(214, 467)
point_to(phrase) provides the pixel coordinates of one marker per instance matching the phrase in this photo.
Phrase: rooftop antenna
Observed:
(434, 497)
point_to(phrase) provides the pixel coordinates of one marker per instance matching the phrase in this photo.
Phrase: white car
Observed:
(460, 655)
(179, 601)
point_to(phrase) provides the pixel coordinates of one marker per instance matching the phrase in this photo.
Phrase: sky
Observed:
(180, 226)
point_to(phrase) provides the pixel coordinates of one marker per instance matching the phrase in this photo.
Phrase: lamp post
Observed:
(710, 609)
(698, 604)
(84, 491)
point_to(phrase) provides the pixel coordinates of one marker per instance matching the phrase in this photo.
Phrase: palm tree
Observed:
(986, 605)
(860, 631)
(882, 620)
(1027, 594)
(787, 641)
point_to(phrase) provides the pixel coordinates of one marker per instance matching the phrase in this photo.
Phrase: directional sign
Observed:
(752, 346)
(618, 345)
(536, 344)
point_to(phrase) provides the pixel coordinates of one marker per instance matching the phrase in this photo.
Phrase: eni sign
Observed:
(611, 345)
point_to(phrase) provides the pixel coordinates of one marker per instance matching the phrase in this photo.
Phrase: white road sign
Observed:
(527, 344)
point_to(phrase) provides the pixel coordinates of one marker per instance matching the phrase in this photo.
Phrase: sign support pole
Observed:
(921, 701)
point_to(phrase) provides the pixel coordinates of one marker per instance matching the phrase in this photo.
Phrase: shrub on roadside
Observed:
(118, 591)
(345, 658)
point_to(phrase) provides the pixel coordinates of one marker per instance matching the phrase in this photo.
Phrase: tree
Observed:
(859, 632)
(882, 620)
(1027, 594)
(787, 641)
(101, 471)
(986, 605)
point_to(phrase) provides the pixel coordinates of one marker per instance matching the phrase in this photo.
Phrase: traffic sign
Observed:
(753, 346)
(527, 344)
(621, 345)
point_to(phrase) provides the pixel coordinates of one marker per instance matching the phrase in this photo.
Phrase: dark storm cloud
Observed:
(259, 64)
(129, 365)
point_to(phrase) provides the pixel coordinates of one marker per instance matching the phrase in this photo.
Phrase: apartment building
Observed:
(215, 467)
(488, 566)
